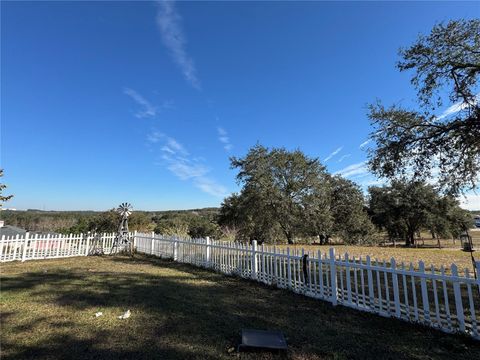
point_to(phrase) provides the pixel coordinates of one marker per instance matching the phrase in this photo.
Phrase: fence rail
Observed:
(448, 302)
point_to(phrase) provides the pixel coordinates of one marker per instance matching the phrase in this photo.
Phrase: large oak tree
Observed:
(422, 142)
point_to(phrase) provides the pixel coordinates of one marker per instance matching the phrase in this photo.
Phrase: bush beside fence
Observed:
(449, 302)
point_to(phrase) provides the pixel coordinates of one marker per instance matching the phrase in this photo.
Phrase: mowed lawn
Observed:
(182, 312)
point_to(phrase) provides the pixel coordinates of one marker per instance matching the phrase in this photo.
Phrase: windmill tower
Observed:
(122, 241)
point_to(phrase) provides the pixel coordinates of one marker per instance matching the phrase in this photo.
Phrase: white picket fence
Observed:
(34, 247)
(449, 302)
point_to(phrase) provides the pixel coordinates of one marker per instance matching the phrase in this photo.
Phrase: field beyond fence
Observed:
(447, 301)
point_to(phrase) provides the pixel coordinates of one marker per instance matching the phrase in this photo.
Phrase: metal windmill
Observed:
(122, 241)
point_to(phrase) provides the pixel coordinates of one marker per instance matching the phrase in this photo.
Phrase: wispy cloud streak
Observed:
(459, 106)
(365, 143)
(354, 169)
(333, 154)
(174, 39)
(184, 166)
(343, 157)
(147, 109)
(224, 139)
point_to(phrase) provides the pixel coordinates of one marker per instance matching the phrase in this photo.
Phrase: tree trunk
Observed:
(322, 239)
(410, 238)
(289, 237)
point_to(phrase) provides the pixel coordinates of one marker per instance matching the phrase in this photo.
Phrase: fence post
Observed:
(458, 299)
(152, 243)
(423, 286)
(254, 260)
(396, 294)
(135, 240)
(2, 245)
(348, 280)
(208, 251)
(333, 277)
(15, 246)
(175, 249)
(289, 270)
(477, 265)
(88, 244)
(24, 253)
(370, 283)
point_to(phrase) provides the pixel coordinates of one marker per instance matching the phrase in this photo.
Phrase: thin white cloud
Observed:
(459, 106)
(365, 143)
(224, 139)
(452, 110)
(179, 162)
(344, 157)
(185, 170)
(333, 154)
(173, 37)
(210, 187)
(146, 108)
(353, 170)
(155, 136)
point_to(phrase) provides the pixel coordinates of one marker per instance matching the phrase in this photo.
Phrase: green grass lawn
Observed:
(182, 312)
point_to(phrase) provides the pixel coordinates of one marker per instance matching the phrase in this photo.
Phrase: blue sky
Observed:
(105, 102)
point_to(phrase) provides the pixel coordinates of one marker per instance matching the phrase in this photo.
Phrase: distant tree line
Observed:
(286, 197)
(188, 223)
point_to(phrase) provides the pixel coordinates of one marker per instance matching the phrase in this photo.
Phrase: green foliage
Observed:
(404, 208)
(417, 143)
(191, 223)
(279, 180)
(248, 217)
(350, 218)
(170, 227)
(291, 193)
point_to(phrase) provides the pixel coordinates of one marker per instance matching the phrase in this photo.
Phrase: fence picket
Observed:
(435, 296)
(371, 295)
(333, 277)
(472, 307)
(396, 296)
(458, 299)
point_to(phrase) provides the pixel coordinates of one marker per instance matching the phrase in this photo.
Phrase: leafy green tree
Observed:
(350, 218)
(447, 219)
(420, 143)
(140, 221)
(106, 221)
(318, 217)
(201, 227)
(173, 226)
(249, 214)
(282, 180)
(404, 208)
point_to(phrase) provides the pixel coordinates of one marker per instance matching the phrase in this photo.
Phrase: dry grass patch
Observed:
(437, 257)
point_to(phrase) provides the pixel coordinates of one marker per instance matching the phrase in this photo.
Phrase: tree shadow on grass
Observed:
(182, 312)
